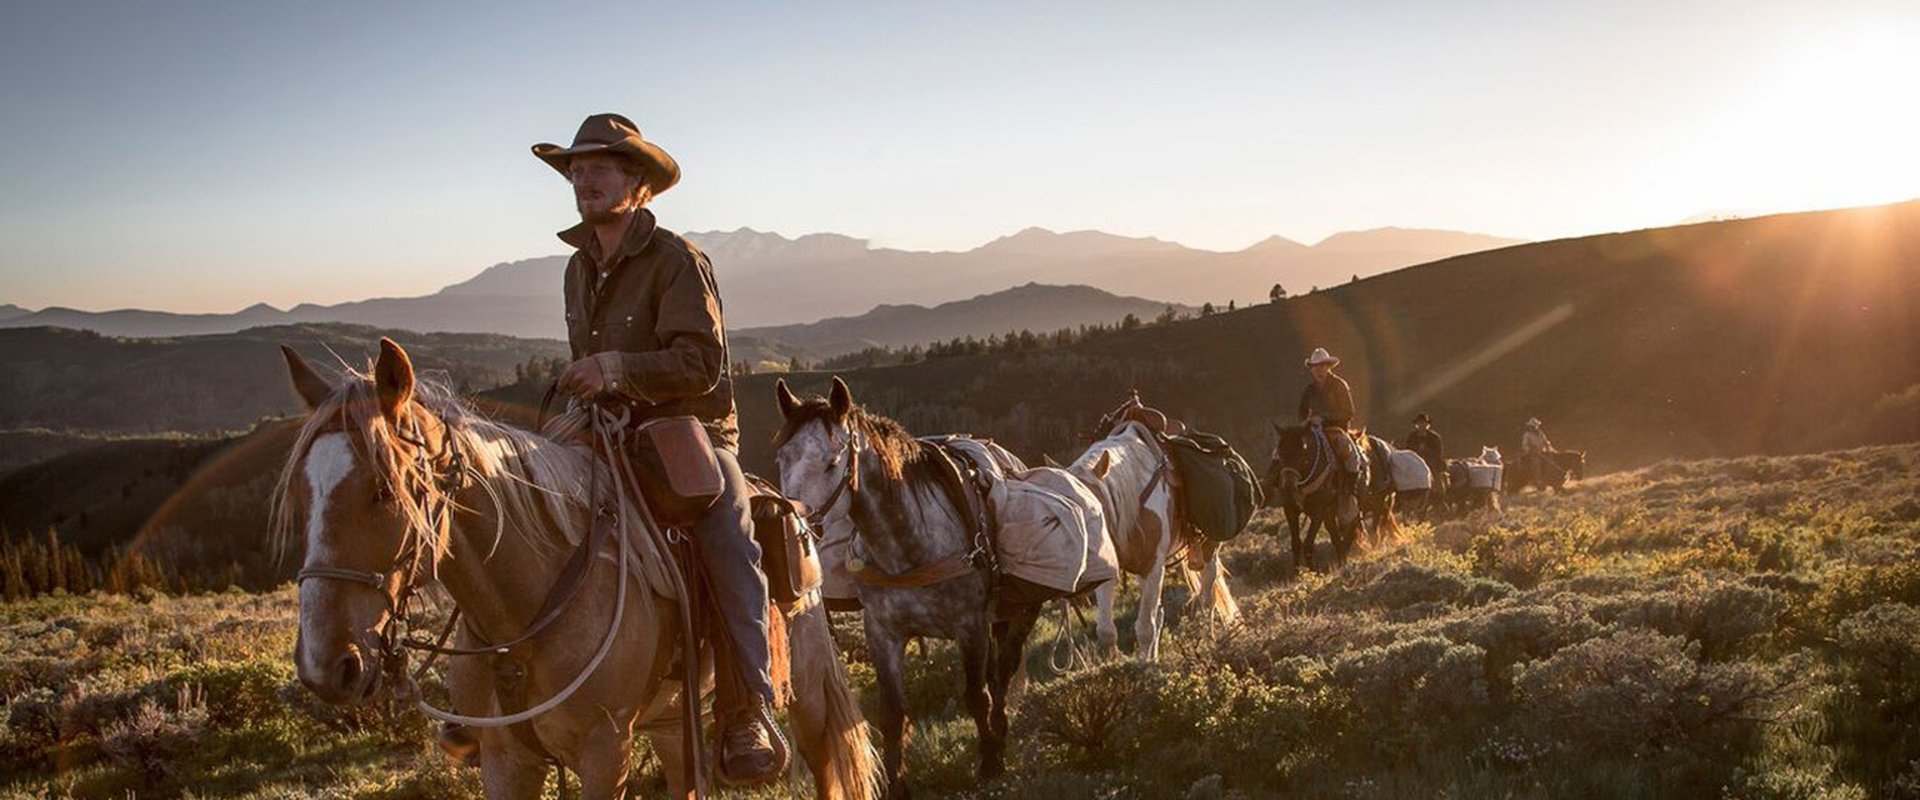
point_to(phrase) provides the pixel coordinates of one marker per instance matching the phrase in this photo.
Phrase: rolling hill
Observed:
(71, 380)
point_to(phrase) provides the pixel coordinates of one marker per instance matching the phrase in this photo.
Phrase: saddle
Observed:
(1133, 410)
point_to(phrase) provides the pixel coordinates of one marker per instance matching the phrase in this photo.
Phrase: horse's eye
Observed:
(382, 493)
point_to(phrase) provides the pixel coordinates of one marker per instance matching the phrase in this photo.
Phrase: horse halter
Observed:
(849, 484)
(408, 564)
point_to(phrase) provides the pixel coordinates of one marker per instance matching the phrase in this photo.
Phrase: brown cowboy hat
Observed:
(612, 133)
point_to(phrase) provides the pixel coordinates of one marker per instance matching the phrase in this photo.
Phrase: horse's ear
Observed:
(1047, 459)
(1277, 430)
(392, 379)
(788, 403)
(312, 388)
(841, 398)
(1104, 465)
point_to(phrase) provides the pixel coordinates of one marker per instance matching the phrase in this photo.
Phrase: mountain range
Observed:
(770, 280)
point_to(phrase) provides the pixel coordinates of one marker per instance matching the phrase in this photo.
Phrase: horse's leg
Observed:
(1146, 629)
(1106, 630)
(601, 762)
(828, 729)
(976, 655)
(888, 651)
(1302, 559)
(509, 770)
(1010, 649)
(1314, 524)
(664, 729)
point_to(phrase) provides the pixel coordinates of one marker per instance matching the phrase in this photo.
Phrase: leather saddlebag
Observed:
(788, 553)
(678, 473)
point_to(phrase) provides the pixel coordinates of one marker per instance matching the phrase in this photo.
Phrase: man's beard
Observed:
(594, 215)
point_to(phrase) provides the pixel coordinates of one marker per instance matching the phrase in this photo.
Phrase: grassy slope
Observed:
(1706, 628)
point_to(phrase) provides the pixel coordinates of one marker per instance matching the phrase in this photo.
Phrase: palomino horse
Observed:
(393, 483)
(920, 564)
(1300, 480)
(1131, 474)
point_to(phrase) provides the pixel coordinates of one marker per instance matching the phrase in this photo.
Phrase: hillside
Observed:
(1031, 307)
(767, 279)
(1741, 628)
(1773, 334)
(75, 380)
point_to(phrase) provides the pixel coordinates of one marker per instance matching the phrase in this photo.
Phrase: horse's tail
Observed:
(1221, 601)
(851, 767)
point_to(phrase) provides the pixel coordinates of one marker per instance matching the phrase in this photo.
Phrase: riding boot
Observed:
(750, 750)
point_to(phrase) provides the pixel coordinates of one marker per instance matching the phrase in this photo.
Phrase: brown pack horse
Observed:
(393, 483)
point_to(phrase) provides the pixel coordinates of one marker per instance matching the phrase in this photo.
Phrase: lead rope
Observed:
(612, 432)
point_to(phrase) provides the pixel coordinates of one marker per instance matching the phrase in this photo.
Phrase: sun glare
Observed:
(1834, 125)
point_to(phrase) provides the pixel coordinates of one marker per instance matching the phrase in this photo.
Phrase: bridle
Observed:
(414, 555)
(849, 483)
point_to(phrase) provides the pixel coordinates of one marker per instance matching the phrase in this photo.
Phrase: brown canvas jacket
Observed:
(650, 314)
(1335, 405)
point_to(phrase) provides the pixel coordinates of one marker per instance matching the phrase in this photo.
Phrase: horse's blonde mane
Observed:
(537, 484)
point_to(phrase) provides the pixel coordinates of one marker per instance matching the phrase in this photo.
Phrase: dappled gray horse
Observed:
(920, 559)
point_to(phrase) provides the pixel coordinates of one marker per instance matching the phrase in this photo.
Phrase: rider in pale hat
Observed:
(1327, 402)
(1534, 447)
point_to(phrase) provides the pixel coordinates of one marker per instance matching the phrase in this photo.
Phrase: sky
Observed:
(201, 156)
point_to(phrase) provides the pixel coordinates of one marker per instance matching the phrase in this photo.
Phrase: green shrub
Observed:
(1637, 691)
(245, 693)
(1526, 556)
(154, 741)
(1512, 634)
(1415, 693)
(1723, 616)
(1788, 783)
(1080, 716)
(1404, 586)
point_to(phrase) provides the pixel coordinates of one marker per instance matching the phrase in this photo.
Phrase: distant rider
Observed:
(1534, 447)
(1327, 402)
(1425, 442)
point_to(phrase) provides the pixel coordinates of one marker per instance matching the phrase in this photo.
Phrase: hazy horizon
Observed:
(202, 158)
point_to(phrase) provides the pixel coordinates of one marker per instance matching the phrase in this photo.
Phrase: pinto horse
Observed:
(920, 561)
(1300, 480)
(1132, 475)
(393, 484)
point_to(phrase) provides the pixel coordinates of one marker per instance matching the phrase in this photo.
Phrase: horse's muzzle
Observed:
(351, 679)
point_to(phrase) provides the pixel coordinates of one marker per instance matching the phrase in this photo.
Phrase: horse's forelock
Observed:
(531, 476)
(887, 439)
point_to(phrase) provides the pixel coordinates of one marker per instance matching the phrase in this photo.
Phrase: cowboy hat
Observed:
(612, 133)
(1422, 417)
(1321, 356)
(1533, 422)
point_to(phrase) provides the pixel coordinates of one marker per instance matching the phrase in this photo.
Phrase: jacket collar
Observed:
(581, 237)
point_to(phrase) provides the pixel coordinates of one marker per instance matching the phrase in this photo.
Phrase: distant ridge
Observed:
(768, 279)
